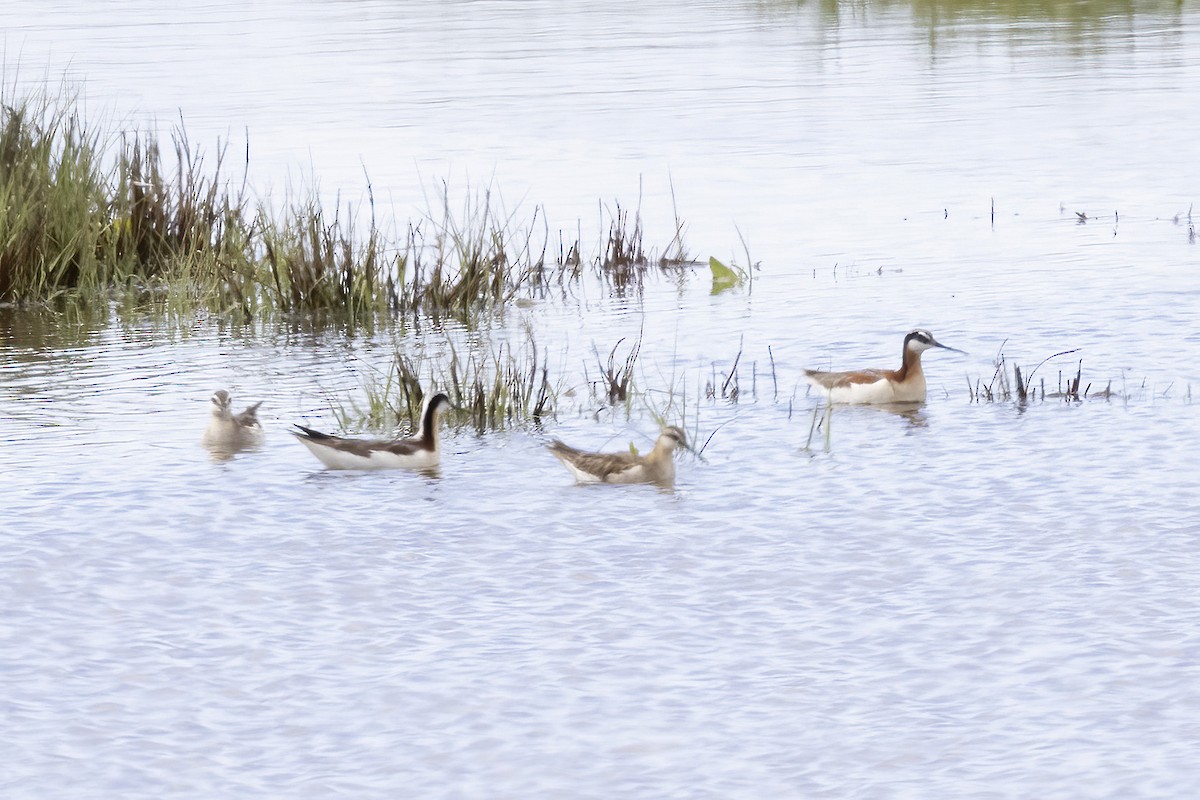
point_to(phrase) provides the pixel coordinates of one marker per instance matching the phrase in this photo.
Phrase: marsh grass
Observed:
(479, 256)
(85, 210)
(315, 262)
(665, 400)
(623, 260)
(1010, 383)
(501, 385)
(616, 377)
(1180, 219)
(493, 386)
(723, 383)
(676, 252)
(53, 215)
(822, 420)
(501, 388)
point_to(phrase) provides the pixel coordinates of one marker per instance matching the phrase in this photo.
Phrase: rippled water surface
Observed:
(969, 600)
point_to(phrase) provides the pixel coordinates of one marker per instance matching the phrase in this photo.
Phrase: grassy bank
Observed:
(86, 210)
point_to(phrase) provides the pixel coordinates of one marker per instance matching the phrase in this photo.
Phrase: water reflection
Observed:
(42, 328)
(429, 476)
(222, 451)
(913, 414)
(821, 430)
(1087, 27)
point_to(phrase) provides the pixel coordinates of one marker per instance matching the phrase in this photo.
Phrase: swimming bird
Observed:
(227, 430)
(422, 451)
(657, 466)
(871, 386)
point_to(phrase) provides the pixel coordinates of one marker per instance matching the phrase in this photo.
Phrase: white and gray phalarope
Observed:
(227, 430)
(422, 451)
(657, 466)
(877, 386)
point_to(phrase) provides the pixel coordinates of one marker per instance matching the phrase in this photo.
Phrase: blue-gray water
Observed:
(977, 600)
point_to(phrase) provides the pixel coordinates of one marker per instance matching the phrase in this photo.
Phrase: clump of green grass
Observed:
(82, 210)
(315, 262)
(500, 388)
(156, 218)
(493, 386)
(53, 199)
(476, 258)
(498, 385)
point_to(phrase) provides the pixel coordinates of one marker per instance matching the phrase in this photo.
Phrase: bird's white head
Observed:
(672, 437)
(920, 340)
(220, 402)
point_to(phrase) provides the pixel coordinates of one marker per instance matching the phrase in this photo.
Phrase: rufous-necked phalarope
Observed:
(657, 466)
(227, 430)
(422, 451)
(871, 386)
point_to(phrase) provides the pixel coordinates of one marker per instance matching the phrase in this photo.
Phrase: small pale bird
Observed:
(657, 466)
(230, 431)
(876, 386)
(422, 451)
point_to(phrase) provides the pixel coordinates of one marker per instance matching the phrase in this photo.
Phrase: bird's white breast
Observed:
(879, 392)
(227, 433)
(333, 458)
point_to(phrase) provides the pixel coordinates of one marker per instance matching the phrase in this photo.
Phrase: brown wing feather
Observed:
(249, 417)
(599, 464)
(832, 380)
(363, 447)
(401, 447)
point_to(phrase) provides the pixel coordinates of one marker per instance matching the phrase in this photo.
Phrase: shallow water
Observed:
(973, 600)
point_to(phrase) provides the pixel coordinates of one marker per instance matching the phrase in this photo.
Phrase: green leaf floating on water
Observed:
(723, 277)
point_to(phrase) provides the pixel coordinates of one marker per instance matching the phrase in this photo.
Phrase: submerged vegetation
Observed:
(85, 211)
